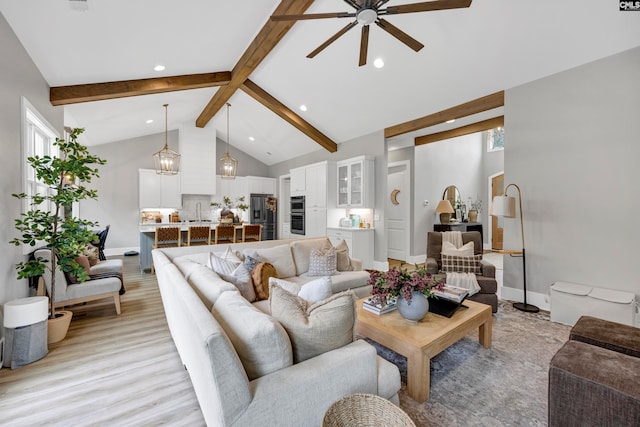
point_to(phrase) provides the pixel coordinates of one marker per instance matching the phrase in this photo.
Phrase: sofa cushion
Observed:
(241, 279)
(83, 262)
(322, 262)
(313, 291)
(343, 260)
(461, 264)
(301, 250)
(260, 341)
(340, 282)
(260, 279)
(280, 257)
(314, 328)
(208, 285)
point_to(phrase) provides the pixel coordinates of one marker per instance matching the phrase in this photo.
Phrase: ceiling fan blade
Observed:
(312, 16)
(427, 6)
(364, 45)
(399, 34)
(332, 39)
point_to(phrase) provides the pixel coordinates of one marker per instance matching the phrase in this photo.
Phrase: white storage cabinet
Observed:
(356, 183)
(159, 191)
(359, 240)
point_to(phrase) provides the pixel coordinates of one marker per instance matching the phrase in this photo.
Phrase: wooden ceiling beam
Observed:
(268, 37)
(65, 95)
(260, 95)
(460, 131)
(479, 105)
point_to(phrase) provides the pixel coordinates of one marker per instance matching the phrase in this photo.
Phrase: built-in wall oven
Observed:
(297, 215)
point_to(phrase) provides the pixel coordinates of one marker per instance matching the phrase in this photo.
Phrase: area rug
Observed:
(505, 385)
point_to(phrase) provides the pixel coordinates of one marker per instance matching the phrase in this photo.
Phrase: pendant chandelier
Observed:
(166, 161)
(228, 165)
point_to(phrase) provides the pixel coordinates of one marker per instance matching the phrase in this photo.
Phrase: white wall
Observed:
(18, 77)
(573, 146)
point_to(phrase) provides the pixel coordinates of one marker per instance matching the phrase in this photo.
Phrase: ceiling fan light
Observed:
(367, 16)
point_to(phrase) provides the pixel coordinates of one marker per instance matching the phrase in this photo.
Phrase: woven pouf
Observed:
(366, 410)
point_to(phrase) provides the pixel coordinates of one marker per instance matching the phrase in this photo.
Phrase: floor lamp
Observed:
(505, 206)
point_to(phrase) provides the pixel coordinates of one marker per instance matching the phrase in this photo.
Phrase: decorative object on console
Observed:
(228, 165)
(166, 161)
(475, 207)
(411, 288)
(506, 207)
(445, 210)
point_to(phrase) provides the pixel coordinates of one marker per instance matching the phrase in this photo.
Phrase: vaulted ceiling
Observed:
(469, 53)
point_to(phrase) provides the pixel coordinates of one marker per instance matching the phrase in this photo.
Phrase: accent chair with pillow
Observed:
(485, 272)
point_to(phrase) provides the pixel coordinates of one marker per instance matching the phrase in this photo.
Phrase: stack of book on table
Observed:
(371, 306)
(447, 300)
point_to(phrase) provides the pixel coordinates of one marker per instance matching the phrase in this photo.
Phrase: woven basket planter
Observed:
(365, 410)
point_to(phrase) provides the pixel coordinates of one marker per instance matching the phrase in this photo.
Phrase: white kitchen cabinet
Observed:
(316, 192)
(298, 181)
(315, 222)
(356, 183)
(159, 191)
(261, 185)
(286, 231)
(359, 240)
(198, 159)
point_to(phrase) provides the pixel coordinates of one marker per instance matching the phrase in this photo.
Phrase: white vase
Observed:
(415, 311)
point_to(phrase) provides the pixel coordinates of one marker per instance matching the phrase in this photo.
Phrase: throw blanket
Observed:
(106, 276)
(464, 280)
(454, 237)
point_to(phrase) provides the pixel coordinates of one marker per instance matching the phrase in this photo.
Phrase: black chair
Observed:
(102, 238)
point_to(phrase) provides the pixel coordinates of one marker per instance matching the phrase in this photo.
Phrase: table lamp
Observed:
(445, 210)
(505, 206)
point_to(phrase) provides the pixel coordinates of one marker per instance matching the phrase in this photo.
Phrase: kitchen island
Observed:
(148, 231)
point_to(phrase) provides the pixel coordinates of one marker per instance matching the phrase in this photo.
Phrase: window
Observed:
(37, 140)
(495, 139)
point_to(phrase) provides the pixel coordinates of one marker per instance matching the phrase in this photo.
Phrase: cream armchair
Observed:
(109, 285)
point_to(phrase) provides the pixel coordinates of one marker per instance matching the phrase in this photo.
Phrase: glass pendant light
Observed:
(228, 165)
(166, 161)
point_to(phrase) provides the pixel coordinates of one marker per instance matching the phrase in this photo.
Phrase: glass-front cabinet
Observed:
(355, 182)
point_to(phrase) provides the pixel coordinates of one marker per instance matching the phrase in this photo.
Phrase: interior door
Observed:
(497, 189)
(397, 212)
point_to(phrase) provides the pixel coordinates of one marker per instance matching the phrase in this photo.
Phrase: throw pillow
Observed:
(250, 262)
(259, 340)
(83, 261)
(322, 262)
(313, 291)
(316, 328)
(461, 264)
(280, 257)
(241, 278)
(224, 264)
(449, 248)
(343, 260)
(91, 252)
(261, 274)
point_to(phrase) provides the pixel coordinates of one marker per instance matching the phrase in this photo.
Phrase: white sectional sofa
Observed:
(239, 357)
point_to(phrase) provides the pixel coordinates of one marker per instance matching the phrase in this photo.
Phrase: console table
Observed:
(460, 226)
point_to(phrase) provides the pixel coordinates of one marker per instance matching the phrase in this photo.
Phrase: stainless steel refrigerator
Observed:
(262, 210)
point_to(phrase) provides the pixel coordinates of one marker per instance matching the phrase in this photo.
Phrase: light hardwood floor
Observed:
(109, 370)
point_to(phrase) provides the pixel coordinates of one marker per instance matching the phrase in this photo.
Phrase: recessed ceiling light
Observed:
(251, 138)
(159, 67)
(450, 121)
(303, 107)
(378, 63)
(149, 121)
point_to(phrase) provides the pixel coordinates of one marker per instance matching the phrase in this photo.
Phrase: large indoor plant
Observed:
(64, 177)
(409, 287)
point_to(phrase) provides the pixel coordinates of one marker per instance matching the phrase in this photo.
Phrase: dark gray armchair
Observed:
(486, 280)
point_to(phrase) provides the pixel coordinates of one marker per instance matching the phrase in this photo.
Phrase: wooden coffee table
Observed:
(421, 341)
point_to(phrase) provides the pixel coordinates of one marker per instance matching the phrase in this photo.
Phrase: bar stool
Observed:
(225, 233)
(251, 232)
(198, 235)
(166, 237)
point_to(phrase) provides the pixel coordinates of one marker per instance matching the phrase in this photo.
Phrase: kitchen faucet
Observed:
(199, 211)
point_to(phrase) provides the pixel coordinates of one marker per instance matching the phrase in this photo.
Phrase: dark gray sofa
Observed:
(486, 280)
(594, 379)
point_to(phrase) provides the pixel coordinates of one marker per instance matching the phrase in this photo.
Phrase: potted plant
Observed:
(64, 177)
(410, 288)
(476, 208)
(227, 205)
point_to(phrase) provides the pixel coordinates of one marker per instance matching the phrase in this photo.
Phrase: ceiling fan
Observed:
(369, 12)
